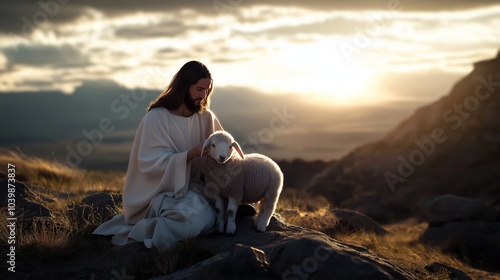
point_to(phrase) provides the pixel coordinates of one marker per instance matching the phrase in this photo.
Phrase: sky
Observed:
(348, 71)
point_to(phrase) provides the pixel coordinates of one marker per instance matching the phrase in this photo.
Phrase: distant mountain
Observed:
(449, 146)
(73, 128)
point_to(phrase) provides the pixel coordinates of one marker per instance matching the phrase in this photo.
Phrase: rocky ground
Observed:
(284, 251)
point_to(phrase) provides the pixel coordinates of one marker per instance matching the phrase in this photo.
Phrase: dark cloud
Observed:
(45, 55)
(20, 16)
(162, 29)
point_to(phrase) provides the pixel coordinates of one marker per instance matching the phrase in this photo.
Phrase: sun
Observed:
(346, 84)
(316, 70)
(328, 77)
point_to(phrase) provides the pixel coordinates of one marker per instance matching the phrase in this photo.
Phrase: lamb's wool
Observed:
(250, 179)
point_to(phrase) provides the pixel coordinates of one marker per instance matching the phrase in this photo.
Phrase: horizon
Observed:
(347, 72)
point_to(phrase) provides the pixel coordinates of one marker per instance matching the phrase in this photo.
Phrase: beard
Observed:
(191, 105)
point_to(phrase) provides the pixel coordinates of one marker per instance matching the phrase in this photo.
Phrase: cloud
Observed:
(22, 17)
(3, 62)
(168, 28)
(14, 14)
(46, 56)
(271, 47)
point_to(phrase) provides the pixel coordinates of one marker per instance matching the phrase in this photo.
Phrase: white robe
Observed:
(160, 204)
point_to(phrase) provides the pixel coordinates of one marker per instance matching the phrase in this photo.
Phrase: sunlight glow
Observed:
(325, 75)
(315, 69)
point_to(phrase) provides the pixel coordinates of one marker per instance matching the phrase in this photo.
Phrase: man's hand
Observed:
(195, 151)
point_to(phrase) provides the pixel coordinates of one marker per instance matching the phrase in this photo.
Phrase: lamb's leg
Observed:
(219, 208)
(267, 209)
(262, 206)
(232, 207)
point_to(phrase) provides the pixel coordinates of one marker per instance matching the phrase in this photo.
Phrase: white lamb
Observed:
(241, 179)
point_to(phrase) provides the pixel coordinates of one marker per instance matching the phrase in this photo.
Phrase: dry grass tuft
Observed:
(57, 176)
(301, 201)
(321, 220)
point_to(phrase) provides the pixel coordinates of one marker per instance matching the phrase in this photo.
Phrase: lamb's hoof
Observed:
(220, 229)
(245, 210)
(261, 228)
(230, 233)
(231, 228)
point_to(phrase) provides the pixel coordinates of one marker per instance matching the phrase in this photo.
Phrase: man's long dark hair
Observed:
(178, 90)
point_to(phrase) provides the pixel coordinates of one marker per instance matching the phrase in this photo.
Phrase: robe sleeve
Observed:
(156, 166)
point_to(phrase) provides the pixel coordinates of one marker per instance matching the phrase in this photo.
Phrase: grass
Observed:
(70, 239)
(293, 199)
(401, 247)
(57, 176)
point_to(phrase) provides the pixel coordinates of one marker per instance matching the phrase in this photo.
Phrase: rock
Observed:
(244, 262)
(102, 200)
(253, 258)
(29, 211)
(352, 221)
(98, 203)
(25, 209)
(478, 242)
(247, 234)
(64, 195)
(449, 208)
(319, 258)
(453, 273)
(286, 252)
(21, 192)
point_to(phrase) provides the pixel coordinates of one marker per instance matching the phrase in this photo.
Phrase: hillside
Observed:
(451, 146)
(55, 240)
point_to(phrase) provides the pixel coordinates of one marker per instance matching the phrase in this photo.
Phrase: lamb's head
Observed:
(219, 146)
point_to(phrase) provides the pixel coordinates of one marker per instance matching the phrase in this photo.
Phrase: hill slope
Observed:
(449, 146)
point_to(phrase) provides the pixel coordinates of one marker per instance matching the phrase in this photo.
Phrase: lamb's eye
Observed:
(213, 145)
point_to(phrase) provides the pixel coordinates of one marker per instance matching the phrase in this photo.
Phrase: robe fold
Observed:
(162, 201)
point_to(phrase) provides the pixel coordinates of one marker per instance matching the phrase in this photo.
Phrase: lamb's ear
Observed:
(238, 149)
(205, 146)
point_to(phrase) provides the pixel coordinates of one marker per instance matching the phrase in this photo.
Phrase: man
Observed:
(163, 200)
